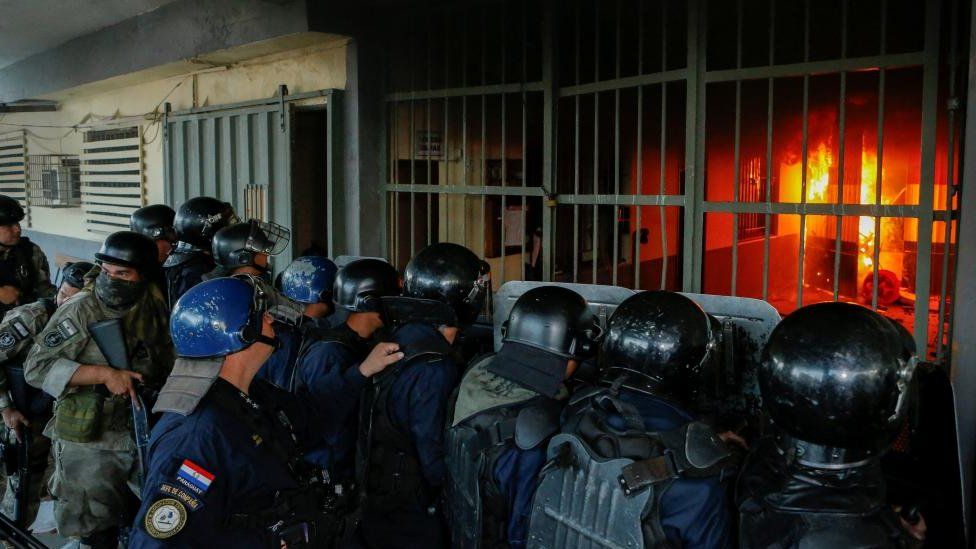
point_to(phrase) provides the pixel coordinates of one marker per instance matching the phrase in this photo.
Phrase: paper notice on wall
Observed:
(514, 227)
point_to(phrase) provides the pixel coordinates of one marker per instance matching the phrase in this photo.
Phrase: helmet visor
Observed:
(267, 238)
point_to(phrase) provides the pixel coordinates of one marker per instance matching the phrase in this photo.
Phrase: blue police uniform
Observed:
(694, 512)
(212, 471)
(328, 376)
(402, 442)
(516, 473)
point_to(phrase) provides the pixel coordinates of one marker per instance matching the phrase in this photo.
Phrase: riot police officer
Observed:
(24, 273)
(25, 409)
(401, 429)
(92, 428)
(333, 367)
(246, 248)
(507, 408)
(224, 458)
(156, 222)
(308, 283)
(635, 437)
(196, 223)
(835, 380)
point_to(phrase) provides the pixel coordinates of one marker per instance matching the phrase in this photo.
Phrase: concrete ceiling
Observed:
(28, 27)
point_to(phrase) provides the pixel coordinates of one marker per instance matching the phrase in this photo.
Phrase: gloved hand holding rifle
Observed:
(109, 335)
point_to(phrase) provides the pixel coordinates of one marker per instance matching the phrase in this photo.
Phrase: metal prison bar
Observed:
(486, 68)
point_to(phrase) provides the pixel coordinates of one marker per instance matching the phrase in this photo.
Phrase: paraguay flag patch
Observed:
(194, 477)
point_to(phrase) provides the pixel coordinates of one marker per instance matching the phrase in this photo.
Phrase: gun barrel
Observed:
(17, 536)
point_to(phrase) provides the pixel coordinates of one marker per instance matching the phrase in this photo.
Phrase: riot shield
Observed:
(746, 325)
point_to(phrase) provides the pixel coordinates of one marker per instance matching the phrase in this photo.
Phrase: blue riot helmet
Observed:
(219, 317)
(309, 279)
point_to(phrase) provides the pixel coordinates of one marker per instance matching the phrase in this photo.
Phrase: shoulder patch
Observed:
(20, 330)
(53, 339)
(194, 477)
(7, 340)
(165, 518)
(168, 490)
(67, 328)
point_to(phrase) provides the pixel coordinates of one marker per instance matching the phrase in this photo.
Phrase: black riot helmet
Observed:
(553, 319)
(10, 211)
(238, 245)
(450, 274)
(155, 221)
(199, 219)
(660, 343)
(547, 326)
(129, 249)
(74, 273)
(835, 378)
(360, 284)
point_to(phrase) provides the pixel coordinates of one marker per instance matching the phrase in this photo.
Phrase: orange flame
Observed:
(866, 229)
(818, 173)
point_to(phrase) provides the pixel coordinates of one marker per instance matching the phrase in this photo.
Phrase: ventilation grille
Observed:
(112, 178)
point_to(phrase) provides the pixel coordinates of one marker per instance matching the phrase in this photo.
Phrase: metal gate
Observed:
(240, 153)
(774, 149)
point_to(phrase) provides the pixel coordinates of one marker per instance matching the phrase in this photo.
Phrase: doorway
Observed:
(309, 180)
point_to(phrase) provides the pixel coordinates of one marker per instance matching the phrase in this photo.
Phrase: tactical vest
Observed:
(388, 468)
(17, 269)
(794, 506)
(310, 334)
(178, 264)
(602, 486)
(478, 513)
(298, 511)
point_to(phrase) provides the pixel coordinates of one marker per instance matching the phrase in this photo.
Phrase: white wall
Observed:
(307, 69)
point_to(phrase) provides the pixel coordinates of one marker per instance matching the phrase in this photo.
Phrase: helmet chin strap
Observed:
(819, 456)
(272, 342)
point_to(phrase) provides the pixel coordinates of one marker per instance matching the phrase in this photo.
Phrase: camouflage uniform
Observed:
(91, 476)
(25, 267)
(17, 331)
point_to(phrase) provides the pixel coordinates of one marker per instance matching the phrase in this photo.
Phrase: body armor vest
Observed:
(18, 269)
(602, 485)
(388, 469)
(183, 262)
(478, 513)
(789, 505)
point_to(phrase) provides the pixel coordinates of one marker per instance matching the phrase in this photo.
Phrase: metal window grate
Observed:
(112, 179)
(54, 181)
(770, 149)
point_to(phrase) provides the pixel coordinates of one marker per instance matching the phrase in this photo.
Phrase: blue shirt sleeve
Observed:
(421, 399)
(516, 474)
(696, 512)
(329, 373)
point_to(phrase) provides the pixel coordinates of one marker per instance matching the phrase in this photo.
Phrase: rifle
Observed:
(109, 335)
(16, 456)
(17, 536)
